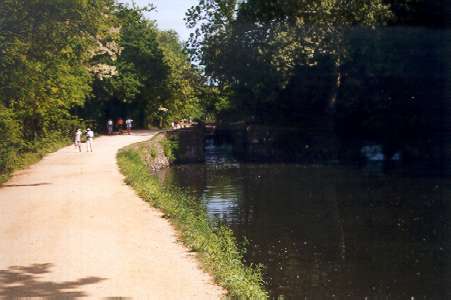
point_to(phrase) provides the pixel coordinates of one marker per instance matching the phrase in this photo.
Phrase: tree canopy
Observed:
(155, 80)
(369, 67)
(47, 52)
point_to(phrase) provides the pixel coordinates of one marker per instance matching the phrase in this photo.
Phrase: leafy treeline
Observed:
(65, 63)
(372, 68)
(44, 69)
(155, 82)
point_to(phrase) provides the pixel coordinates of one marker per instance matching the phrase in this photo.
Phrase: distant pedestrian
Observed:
(120, 124)
(77, 141)
(110, 127)
(128, 124)
(89, 138)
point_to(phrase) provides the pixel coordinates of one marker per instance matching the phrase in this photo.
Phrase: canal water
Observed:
(331, 232)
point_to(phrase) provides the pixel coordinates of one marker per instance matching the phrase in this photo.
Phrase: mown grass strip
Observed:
(215, 244)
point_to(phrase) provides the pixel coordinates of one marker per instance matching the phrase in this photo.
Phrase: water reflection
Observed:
(331, 231)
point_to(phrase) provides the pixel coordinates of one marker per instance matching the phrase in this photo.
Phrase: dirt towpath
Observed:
(70, 228)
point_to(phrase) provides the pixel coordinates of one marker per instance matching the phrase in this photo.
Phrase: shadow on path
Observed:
(31, 184)
(18, 282)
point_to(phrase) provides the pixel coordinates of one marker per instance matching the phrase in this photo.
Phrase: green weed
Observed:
(170, 148)
(153, 152)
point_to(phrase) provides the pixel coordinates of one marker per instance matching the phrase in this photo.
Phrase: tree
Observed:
(183, 80)
(256, 46)
(139, 71)
(153, 72)
(47, 49)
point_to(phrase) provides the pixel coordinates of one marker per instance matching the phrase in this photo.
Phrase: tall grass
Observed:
(215, 244)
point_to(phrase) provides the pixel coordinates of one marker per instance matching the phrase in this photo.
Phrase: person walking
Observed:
(110, 127)
(77, 141)
(89, 138)
(120, 124)
(128, 124)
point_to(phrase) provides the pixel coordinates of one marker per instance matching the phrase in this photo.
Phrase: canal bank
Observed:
(214, 244)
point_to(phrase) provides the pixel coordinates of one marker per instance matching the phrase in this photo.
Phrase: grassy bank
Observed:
(22, 160)
(215, 244)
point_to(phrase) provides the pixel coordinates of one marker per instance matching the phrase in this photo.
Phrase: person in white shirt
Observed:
(110, 127)
(128, 123)
(89, 138)
(77, 141)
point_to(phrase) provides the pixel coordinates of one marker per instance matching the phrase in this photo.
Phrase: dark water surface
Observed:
(332, 232)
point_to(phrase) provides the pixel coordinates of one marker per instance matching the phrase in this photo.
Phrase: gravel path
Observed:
(70, 227)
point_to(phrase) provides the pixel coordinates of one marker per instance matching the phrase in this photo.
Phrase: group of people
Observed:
(181, 124)
(90, 134)
(120, 125)
(89, 138)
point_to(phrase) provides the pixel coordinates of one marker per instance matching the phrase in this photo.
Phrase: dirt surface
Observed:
(70, 227)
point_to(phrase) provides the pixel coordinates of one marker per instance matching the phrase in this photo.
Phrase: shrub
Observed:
(17, 152)
(10, 140)
(170, 148)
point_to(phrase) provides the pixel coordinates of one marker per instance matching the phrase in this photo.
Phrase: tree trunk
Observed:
(336, 88)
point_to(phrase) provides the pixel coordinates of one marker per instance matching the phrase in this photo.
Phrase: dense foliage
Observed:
(155, 82)
(46, 52)
(367, 70)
